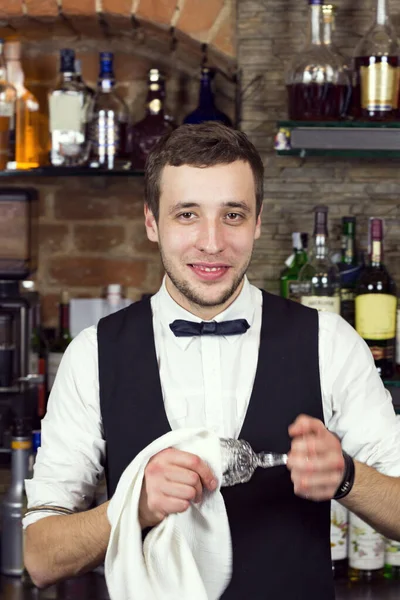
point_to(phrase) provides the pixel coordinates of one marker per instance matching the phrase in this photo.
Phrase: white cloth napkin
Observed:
(188, 556)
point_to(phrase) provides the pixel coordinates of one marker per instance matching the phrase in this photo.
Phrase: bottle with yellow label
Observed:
(376, 72)
(376, 304)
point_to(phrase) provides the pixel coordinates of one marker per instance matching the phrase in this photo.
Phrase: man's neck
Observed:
(206, 313)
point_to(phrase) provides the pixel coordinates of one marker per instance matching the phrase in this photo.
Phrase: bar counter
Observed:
(92, 587)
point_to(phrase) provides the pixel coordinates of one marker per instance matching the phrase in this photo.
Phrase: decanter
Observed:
(239, 461)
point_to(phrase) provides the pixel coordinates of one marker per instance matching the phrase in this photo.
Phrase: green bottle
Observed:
(289, 275)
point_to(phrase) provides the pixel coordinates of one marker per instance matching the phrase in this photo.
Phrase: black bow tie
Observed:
(182, 328)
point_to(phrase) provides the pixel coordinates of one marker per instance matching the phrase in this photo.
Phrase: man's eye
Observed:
(186, 216)
(234, 216)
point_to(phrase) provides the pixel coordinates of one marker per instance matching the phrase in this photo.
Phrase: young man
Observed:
(211, 350)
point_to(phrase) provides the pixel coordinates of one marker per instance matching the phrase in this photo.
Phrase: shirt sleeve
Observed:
(357, 407)
(70, 461)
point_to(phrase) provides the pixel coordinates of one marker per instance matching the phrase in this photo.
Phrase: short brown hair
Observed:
(204, 145)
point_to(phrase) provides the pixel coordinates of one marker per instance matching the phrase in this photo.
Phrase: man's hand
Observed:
(315, 459)
(172, 479)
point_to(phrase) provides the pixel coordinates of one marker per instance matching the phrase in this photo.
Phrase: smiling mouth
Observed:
(209, 272)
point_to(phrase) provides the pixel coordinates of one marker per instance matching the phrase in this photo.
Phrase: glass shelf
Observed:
(70, 172)
(346, 139)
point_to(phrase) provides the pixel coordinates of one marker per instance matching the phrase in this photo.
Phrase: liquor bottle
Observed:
(145, 134)
(392, 559)
(328, 19)
(24, 139)
(289, 276)
(319, 278)
(206, 109)
(8, 96)
(108, 121)
(366, 551)
(114, 299)
(60, 343)
(376, 304)
(339, 539)
(67, 101)
(349, 270)
(376, 69)
(317, 84)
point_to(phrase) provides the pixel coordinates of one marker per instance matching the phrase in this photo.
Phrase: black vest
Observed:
(281, 543)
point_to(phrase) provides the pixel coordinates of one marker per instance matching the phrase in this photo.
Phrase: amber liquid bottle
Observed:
(376, 70)
(376, 305)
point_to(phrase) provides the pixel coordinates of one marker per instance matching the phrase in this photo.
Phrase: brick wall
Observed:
(270, 32)
(91, 229)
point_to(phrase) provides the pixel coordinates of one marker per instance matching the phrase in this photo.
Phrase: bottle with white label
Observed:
(339, 539)
(392, 559)
(319, 278)
(366, 551)
(67, 106)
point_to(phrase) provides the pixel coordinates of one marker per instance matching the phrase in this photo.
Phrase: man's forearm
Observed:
(58, 547)
(375, 499)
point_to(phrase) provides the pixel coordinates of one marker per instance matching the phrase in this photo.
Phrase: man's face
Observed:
(206, 230)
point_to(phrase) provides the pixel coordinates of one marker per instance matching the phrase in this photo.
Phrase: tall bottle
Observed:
(376, 69)
(60, 343)
(339, 539)
(328, 20)
(14, 503)
(66, 107)
(319, 278)
(366, 551)
(317, 84)
(289, 276)
(108, 121)
(24, 139)
(206, 109)
(145, 134)
(8, 96)
(349, 269)
(376, 304)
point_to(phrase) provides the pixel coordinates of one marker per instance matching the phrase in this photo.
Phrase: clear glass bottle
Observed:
(206, 109)
(376, 304)
(317, 84)
(349, 269)
(108, 121)
(319, 277)
(66, 107)
(366, 551)
(8, 96)
(289, 276)
(376, 69)
(146, 133)
(328, 20)
(339, 539)
(25, 149)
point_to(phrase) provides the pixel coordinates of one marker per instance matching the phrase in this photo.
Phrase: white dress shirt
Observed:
(206, 382)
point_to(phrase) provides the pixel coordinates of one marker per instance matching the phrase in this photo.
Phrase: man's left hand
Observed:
(315, 459)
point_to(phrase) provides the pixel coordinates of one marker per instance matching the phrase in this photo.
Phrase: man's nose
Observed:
(211, 238)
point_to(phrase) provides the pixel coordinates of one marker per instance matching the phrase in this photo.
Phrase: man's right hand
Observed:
(172, 479)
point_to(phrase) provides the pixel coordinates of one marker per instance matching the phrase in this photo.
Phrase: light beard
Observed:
(194, 298)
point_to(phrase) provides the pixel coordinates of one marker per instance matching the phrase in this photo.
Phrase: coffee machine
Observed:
(18, 260)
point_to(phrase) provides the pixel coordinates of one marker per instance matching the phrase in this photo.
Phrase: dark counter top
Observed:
(92, 587)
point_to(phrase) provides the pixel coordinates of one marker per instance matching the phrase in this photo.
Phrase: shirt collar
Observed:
(168, 310)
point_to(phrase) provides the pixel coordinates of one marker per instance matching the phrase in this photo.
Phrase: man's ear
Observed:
(151, 224)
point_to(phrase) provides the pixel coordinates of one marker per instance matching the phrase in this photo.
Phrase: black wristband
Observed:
(348, 478)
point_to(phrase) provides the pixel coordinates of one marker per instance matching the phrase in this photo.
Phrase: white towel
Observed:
(188, 556)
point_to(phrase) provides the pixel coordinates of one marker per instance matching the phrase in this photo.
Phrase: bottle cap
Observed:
(64, 297)
(296, 240)
(376, 229)
(114, 288)
(67, 60)
(321, 219)
(12, 50)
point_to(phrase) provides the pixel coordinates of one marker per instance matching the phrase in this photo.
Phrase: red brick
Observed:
(10, 8)
(117, 7)
(42, 8)
(198, 16)
(141, 242)
(225, 38)
(81, 206)
(52, 238)
(98, 238)
(157, 11)
(78, 7)
(84, 271)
